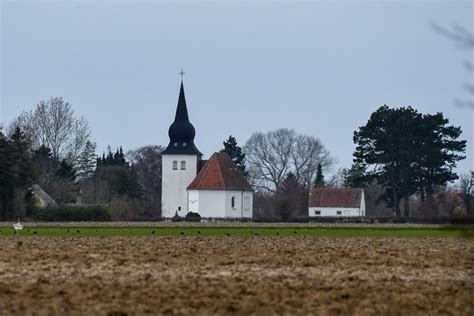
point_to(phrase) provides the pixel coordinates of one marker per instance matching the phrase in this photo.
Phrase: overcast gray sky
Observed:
(319, 67)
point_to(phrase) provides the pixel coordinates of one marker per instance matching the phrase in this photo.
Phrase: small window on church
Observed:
(175, 165)
(232, 202)
(183, 165)
(175, 144)
(184, 144)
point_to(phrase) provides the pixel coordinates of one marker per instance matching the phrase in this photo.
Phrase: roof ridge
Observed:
(218, 158)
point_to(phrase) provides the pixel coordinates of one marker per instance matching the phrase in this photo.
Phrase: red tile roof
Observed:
(220, 173)
(331, 197)
(201, 164)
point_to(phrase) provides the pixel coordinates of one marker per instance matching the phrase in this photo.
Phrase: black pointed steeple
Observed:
(181, 132)
(182, 109)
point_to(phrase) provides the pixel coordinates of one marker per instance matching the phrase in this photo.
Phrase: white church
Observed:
(212, 188)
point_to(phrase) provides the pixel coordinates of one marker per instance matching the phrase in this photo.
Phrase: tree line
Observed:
(401, 157)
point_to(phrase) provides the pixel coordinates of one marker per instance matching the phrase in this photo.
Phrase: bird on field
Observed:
(227, 234)
(182, 233)
(199, 231)
(18, 226)
(78, 231)
(295, 232)
(35, 232)
(153, 232)
(68, 230)
(278, 233)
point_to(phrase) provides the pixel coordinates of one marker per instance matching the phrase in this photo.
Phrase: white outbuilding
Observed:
(336, 202)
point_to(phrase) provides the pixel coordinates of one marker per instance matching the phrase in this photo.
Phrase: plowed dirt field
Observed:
(236, 276)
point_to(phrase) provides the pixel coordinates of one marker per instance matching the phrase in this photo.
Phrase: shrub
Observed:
(192, 217)
(176, 218)
(96, 213)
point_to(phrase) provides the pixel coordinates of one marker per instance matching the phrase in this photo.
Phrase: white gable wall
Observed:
(209, 203)
(243, 202)
(193, 198)
(362, 204)
(175, 183)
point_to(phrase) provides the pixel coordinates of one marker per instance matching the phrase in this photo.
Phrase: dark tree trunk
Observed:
(4, 207)
(406, 206)
(468, 204)
(396, 202)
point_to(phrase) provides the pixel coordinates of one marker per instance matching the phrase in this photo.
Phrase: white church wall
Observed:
(193, 197)
(175, 182)
(243, 203)
(211, 203)
(218, 203)
(236, 209)
(248, 204)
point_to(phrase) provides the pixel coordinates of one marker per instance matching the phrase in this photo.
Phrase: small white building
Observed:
(220, 190)
(336, 202)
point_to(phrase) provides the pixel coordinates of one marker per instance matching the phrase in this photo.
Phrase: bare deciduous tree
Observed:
(466, 183)
(464, 39)
(146, 162)
(271, 156)
(52, 124)
(337, 179)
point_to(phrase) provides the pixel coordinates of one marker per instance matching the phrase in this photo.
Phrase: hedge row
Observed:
(95, 213)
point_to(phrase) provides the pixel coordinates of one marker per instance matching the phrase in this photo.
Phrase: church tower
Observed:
(179, 162)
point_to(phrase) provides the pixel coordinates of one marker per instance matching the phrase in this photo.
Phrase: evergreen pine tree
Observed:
(66, 170)
(16, 173)
(88, 160)
(355, 176)
(6, 175)
(319, 181)
(110, 157)
(22, 156)
(235, 153)
(407, 152)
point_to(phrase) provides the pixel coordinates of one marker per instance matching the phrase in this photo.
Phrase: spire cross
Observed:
(182, 73)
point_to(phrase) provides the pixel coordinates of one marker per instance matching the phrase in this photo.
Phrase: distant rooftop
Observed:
(332, 197)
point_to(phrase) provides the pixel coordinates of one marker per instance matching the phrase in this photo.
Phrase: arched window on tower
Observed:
(175, 165)
(183, 165)
(232, 202)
